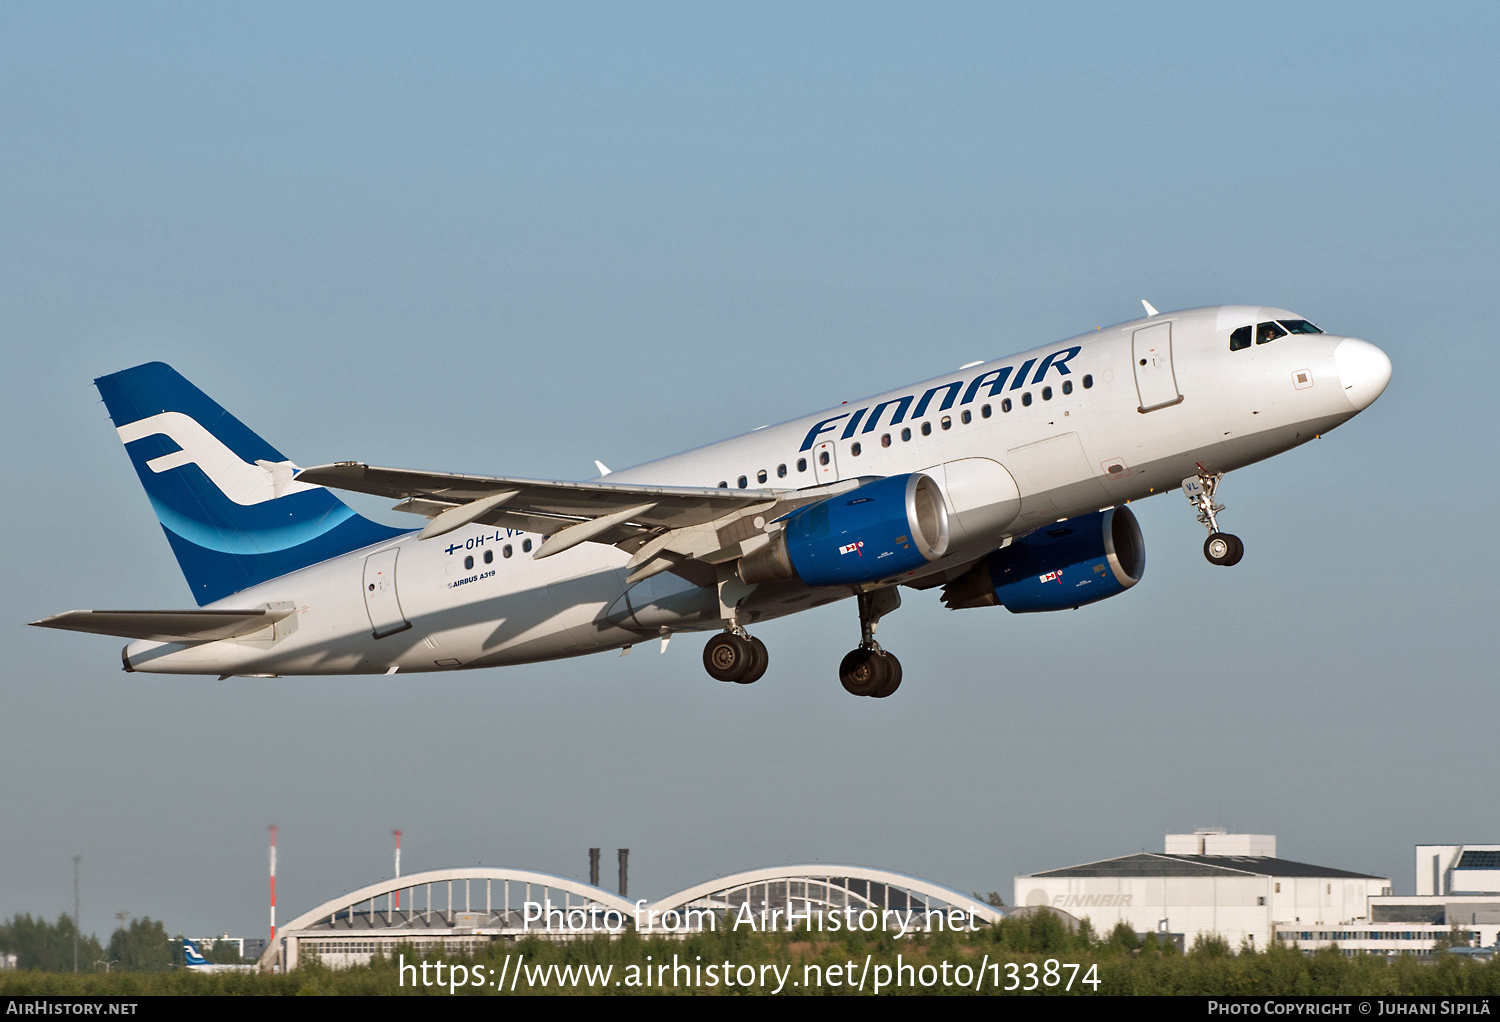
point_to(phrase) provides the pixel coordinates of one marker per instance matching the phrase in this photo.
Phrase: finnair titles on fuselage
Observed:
(1003, 484)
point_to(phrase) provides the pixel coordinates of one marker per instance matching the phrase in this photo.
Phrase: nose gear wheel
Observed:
(1221, 548)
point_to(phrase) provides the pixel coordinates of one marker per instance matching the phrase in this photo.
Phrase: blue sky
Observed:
(511, 239)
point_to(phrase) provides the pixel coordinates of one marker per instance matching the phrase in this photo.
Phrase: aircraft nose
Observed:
(1364, 370)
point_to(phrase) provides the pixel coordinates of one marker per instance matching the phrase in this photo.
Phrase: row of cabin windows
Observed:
(489, 555)
(1267, 332)
(946, 422)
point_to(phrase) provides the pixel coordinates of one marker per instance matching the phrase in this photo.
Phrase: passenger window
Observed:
(967, 417)
(823, 458)
(854, 448)
(1067, 386)
(1026, 399)
(927, 429)
(526, 545)
(885, 440)
(1299, 326)
(1046, 393)
(489, 557)
(506, 551)
(1239, 339)
(1268, 332)
(1005, 405)
(984, 412)
(947, 422)
(743, 482)
(760, 476)
(801, 464)
(1088, 381)
(468, 563)
(723, 485)
(905, 434)
(781, 471)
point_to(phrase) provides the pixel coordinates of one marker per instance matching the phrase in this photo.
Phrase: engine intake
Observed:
(883, 529)
(1064, 566)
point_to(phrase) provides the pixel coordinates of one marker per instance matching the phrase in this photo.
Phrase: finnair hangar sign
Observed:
(1072, 901)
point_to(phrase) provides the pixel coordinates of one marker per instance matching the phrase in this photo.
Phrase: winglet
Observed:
(602, 467)
(1149, 310)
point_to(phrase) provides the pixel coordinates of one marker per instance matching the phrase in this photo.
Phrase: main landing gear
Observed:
(736, 656)
(870, 670)
(1220, 547)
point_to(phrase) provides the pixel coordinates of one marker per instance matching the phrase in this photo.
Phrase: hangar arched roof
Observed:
(864, 884)
(326, 915)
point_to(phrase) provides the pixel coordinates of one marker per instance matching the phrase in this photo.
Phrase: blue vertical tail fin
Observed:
(227, 499)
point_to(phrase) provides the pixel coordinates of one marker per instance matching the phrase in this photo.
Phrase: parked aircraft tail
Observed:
(226, 498)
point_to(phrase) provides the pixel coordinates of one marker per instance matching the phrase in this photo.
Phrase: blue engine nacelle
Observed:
(881, 530)
(1082, 560)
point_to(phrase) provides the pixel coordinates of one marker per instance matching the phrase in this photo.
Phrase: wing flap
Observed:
(187, 626)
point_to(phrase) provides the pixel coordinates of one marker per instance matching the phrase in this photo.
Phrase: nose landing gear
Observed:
(870, 670)
(1220, 548)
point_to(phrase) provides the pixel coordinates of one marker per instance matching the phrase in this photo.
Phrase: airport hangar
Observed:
(464, 910)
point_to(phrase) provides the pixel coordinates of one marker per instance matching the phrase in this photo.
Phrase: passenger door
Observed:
(381, 601)
(1155, 381)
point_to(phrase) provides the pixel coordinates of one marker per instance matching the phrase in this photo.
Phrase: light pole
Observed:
(76, 860)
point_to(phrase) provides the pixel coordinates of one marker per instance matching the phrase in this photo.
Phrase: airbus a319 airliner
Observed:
(1002, 484)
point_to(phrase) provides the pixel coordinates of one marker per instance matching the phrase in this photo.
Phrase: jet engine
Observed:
(1075, 562)
(878, 531)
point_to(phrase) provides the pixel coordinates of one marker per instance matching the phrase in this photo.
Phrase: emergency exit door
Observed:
(825, 462)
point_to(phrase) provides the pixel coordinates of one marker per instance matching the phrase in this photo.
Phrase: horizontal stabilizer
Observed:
(167, 625)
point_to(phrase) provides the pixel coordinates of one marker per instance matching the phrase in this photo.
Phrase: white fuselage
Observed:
(1053, 458)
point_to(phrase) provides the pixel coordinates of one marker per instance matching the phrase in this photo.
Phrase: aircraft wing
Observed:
(167, 625)
(660, 526)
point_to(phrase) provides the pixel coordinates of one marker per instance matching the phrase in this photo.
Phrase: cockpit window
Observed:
(1299, 326)
(1239, 339)
(1268, 332)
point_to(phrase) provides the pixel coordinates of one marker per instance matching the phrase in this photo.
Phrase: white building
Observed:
(1458, 886)
(1458, 869)
(1208, 882)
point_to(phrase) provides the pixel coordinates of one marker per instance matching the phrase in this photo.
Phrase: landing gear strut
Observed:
(870, 670)
(1220, 547)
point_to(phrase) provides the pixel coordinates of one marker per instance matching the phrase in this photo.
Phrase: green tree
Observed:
(1209, 945)
(1123, 937)
(143, 947)
(48, 947)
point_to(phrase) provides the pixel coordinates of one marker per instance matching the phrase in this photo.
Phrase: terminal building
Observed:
(1234, 886)
(1458, 887)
